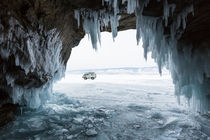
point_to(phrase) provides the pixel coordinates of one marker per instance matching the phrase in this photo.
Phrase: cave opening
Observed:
(120, 63)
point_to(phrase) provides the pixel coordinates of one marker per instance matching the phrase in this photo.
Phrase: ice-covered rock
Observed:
(78, 120)
(37, 56)
(91, 132)
(136, 126)
(90, 126)
(69, 137)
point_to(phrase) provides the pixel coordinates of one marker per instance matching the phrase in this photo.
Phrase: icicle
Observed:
(91, 27)
(114, 24)
(131, 6)
(173, 7)
(178, 22)
(105, 20)
(10, 80)
(184, 15)
(115, 6)
(77, 16)
(166, 10)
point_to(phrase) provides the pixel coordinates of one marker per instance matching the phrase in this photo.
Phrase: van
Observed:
(89, 75)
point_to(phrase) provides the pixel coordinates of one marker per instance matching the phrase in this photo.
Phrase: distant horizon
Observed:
(112, 68)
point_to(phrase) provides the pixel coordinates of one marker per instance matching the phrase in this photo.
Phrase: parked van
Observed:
(89, 75)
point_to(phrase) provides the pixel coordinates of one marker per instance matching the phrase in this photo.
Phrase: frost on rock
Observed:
(36, 55)
(190, 70)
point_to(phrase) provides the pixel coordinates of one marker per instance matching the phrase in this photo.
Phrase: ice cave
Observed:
(36, 42)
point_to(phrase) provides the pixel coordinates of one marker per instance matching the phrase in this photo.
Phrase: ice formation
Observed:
(190, 70)
(94, 21)
(42, 60)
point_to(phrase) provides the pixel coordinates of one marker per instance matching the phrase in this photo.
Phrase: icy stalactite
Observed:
(184, 14)
(131, 5)
(77, 16)
(33, 97)
(91, 26)
(167, 9)
(189, 69)
(36, 53)
(10, 80)
(94, 21)
(190, 73)
(114, 21)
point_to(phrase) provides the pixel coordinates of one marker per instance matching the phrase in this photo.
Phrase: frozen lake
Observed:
(114, 106)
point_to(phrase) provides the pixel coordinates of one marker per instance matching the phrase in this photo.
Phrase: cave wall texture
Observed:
(36, 38)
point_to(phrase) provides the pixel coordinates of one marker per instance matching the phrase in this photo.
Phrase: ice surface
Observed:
(189, 69)
(111, 107)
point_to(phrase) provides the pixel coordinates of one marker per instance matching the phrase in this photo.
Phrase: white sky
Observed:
(123, 52)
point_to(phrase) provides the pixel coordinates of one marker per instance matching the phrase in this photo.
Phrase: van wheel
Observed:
(92, 78)
(85, 78)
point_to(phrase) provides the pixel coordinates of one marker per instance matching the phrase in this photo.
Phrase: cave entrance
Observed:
(122, 74)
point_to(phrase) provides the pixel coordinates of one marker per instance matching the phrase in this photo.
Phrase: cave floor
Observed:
(111, 107)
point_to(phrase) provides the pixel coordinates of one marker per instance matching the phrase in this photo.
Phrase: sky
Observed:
(122, 52)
